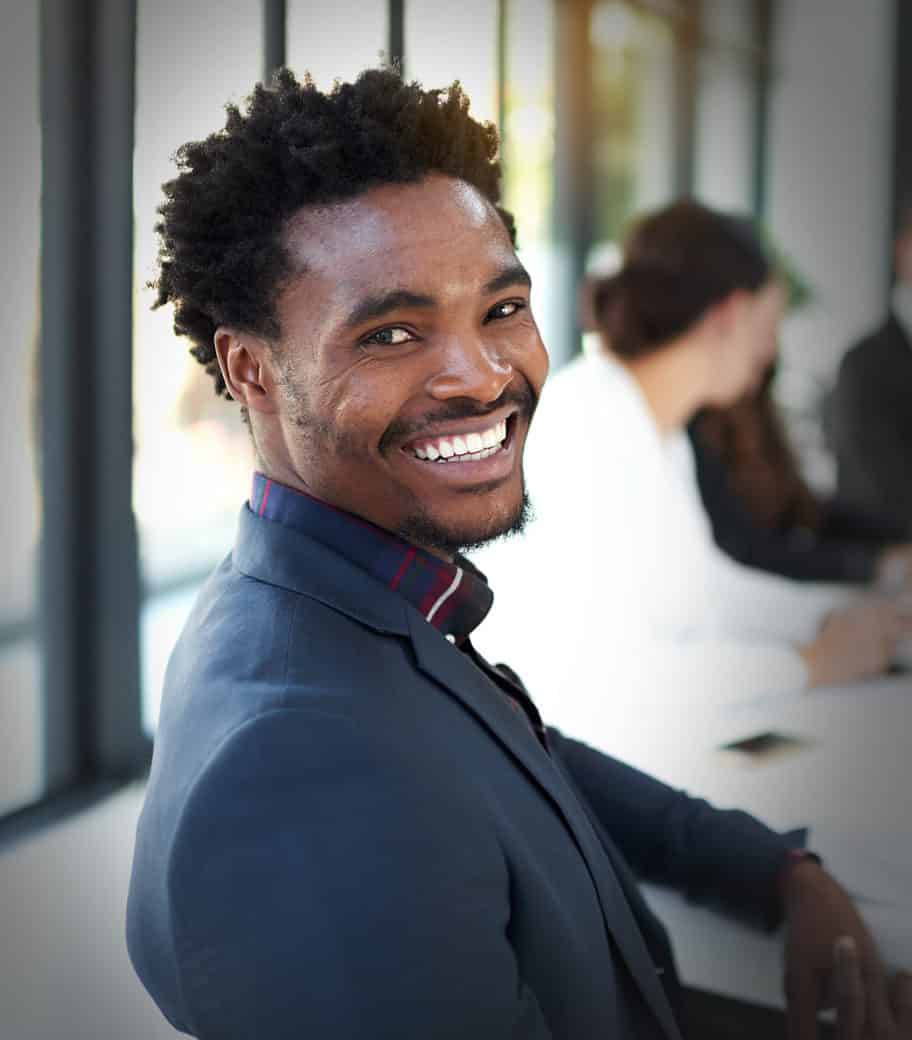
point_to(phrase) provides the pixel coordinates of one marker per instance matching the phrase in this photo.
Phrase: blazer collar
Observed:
(289, 559)
(280, 556)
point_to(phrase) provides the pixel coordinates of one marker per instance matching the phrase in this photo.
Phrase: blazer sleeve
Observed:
(722, 857)
(317, 891)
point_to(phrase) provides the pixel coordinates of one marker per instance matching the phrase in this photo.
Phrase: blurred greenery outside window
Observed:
(633, 111)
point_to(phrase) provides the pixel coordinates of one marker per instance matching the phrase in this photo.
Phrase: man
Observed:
(869, 412)
(354, 825)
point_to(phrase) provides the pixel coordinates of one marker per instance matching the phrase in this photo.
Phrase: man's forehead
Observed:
(391, 226)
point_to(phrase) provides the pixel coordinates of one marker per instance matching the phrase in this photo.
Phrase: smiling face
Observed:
(408, 368)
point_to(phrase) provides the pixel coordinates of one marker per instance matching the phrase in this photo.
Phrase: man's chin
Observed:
(445, 538)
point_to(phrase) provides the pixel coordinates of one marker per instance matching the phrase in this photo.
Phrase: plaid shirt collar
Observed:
(453, 597)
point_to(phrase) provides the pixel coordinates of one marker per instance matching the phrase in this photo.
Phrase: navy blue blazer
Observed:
(348, 832)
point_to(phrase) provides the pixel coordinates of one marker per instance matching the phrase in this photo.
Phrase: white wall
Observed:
(829, 170)
(64, 970)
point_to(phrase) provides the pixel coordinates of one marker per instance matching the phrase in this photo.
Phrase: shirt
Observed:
(452, 597)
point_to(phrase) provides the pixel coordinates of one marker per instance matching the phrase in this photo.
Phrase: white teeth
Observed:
(473, 456)
(476, 445)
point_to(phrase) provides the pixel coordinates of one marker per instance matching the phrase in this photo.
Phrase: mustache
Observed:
(522, 396)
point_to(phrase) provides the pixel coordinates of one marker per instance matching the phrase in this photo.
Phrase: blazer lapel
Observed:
(451, 668)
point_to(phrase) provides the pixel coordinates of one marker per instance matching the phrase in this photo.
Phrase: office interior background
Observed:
(124, 474)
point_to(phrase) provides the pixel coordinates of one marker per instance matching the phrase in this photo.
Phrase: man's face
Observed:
(409, 364)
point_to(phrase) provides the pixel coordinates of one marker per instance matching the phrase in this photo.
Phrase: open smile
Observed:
(484, 453)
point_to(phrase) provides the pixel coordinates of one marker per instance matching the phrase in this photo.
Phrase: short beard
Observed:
(421, 529)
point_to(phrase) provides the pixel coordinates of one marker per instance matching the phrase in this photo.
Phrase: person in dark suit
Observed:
(869, 410)
(764, 515)
(355, 826)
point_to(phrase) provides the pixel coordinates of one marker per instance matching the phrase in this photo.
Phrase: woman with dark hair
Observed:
(764, 514)
(638, 592)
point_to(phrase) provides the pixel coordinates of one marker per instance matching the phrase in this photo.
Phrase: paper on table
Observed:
(891, 928)
(876, 870)
(873, 867)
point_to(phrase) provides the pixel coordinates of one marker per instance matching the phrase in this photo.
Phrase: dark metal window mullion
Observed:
(574, 189)
(901, 188)
(275, 30)
(762, 76)
(686, 72)
(396, 33)
(89, 581)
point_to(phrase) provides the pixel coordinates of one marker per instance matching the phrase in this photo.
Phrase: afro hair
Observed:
(222, 259)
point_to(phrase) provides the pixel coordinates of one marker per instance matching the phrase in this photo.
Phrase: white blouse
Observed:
(617, 589)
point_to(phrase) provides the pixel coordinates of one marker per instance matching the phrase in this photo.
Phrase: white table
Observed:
(854, 777)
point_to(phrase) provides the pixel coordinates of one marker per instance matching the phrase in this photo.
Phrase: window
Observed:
(21, 709)
(193, 456)
(445, 42)
(527, 150)
(726, 99)
(633, 114)
(608, 71)
(335, 39)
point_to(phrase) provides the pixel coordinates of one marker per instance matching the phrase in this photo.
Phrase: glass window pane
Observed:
(724, 147)
(528, 154)
(21, 774)
(336, 39)
(193, 455)
(444, 42)
(633, 112)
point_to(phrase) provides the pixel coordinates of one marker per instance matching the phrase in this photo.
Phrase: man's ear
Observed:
(246, 367)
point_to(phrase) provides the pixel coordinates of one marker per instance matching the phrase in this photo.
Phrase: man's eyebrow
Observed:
(515, 274)
(372, 307)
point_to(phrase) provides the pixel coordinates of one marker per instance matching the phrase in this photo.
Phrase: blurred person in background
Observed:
(640, 598)
(869, 411)
(763, 513)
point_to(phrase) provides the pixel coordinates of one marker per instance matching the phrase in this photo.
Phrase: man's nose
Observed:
(471, 368)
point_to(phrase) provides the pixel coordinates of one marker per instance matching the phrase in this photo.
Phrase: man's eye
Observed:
(505, 310)
(394, 336)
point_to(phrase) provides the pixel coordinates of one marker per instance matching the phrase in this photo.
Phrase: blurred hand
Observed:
(851, 1002)
(856, 643)
(831, 959)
